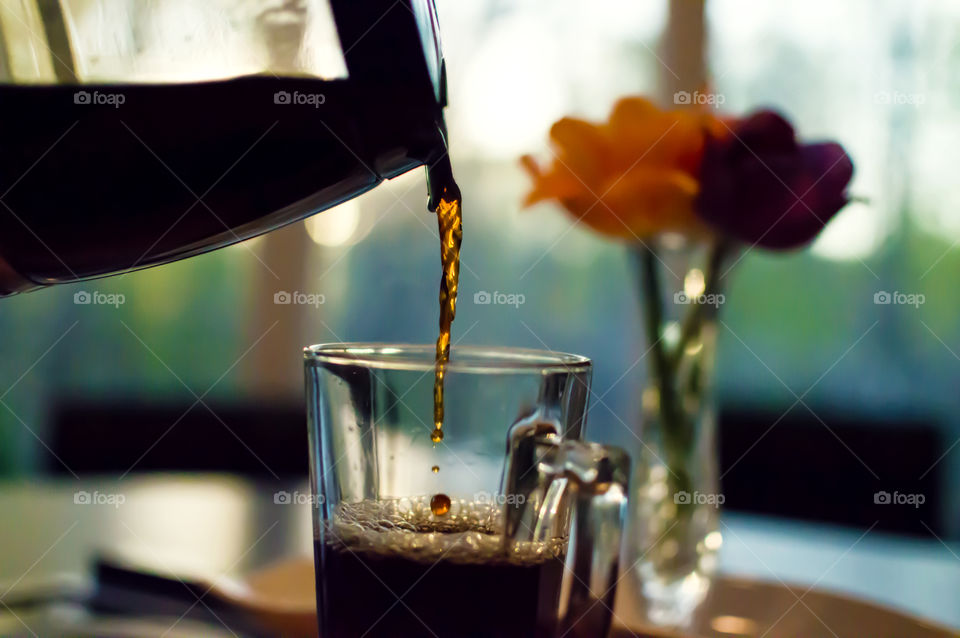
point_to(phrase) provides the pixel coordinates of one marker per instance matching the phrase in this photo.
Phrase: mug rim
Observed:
(421, 357)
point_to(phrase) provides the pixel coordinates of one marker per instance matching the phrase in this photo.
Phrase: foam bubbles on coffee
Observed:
(469, 532)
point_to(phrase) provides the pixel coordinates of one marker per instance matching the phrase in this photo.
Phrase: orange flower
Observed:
(633, 176)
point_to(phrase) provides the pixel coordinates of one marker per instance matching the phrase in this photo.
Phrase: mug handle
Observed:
(575, 485)
(596, 483)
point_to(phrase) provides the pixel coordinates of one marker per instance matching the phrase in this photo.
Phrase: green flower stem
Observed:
(676, 430)
(700, 312)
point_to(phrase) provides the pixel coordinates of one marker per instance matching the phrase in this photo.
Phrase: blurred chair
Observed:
(259, 440)
(799, 468)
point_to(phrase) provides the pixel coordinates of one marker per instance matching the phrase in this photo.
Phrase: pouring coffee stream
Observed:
(445, 200)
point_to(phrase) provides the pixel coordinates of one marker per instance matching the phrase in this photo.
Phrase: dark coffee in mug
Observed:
(412, 575)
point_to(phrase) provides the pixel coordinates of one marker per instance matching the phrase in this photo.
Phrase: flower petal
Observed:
(642, 164)
(640, 132)
(644, 201)
(581, 148)
(762, 187)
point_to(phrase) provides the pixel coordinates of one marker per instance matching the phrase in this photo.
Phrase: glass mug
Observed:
(460, 538)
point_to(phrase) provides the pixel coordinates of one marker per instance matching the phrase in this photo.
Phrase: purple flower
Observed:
(759, 185)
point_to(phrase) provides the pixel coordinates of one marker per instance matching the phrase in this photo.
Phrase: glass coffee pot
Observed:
(138, 132)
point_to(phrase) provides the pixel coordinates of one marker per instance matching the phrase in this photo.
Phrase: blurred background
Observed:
(825, 396)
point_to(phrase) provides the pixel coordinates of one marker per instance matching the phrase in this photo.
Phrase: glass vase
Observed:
(675, 496)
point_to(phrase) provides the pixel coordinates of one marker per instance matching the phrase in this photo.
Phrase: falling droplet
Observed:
(437, 435)
(435, 469)
(440, 504)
